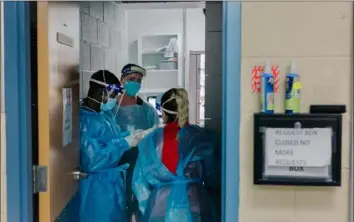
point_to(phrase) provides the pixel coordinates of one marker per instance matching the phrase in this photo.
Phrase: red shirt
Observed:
(170, 147)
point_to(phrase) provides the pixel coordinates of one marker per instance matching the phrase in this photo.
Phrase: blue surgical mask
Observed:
(109, 105)
(132, 88)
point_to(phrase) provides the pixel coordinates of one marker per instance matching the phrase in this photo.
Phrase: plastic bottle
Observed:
(292, 91)
(267, 90)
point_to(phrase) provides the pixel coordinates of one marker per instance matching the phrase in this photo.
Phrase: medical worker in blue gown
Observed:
(174, 170)
(133, 113)
(102, 144)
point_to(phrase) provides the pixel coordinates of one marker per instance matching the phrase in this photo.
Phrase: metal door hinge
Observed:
(40, 178)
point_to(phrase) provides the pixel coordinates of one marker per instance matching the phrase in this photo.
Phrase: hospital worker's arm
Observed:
(100, 154)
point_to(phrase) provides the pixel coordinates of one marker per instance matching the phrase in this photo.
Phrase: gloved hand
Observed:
(116, 141)
(135, 136)
(146, 132)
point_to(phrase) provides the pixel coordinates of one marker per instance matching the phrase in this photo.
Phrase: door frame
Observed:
(17, 71)
(351, 152)
(193, 82)
(18, 110)
(231, 109)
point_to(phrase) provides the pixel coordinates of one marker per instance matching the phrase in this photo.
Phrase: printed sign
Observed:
(303, 151)
(67, 116)
(300, 172)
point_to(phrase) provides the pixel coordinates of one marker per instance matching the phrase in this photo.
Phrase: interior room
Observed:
(63, 44)
(169, 40)
(43, 43)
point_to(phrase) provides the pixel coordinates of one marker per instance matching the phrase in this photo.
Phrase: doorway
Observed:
(19, 147)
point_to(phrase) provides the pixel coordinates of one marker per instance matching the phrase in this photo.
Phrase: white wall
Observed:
(153, 22)
(195, 29)
(319, 36)
(195, 36)
(103, 40)
(169, 21)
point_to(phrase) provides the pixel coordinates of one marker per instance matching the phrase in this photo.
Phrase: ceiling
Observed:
(160, 4)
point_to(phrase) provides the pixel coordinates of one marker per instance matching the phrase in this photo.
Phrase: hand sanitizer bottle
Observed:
(292, 91)
(267, 90)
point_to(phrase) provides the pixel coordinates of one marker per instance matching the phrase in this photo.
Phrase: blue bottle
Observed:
(267, 91)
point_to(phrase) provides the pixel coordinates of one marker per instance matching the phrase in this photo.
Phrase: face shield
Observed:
(108, 101)
(113, 90)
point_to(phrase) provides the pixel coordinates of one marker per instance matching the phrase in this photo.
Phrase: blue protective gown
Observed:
(101, 147)
(166, 197)
(140, 116)
(137, 116)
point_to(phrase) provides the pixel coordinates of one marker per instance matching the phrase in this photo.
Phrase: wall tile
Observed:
(121, 60)
(110, 58)
(97, 58)
(85, 7)
(119, 18)
(85, 56)
(85, 83)
(96, 10)
(97, 50)
(103, 34)
(109, 11)
(116, 39)
(88, 28)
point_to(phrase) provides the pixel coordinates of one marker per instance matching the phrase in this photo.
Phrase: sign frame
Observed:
(262, 121)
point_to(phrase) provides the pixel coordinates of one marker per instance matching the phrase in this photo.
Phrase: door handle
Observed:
(78, 175)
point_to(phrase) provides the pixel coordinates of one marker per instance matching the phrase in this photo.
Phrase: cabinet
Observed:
(161, 56)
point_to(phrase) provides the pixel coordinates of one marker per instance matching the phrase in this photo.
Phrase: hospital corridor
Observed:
(176, 111)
